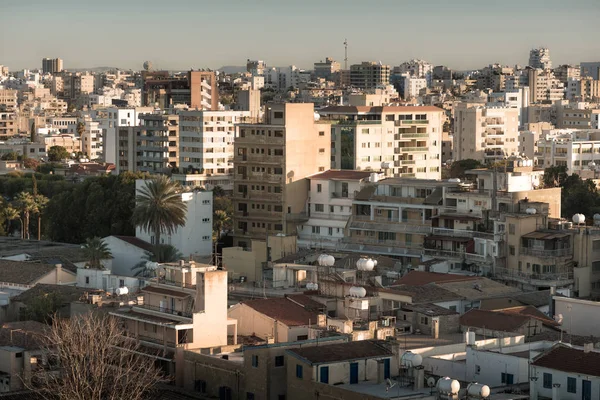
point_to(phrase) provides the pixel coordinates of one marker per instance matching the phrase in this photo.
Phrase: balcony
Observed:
(559, 279)
(411, 149)
(458, 255)
(542, 253)
(411, 122)
(342, 195)
(468, 234)
(330, 216)
(164, 310)
(297, 217)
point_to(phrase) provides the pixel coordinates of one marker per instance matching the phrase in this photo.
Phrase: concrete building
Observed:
(63, 124)
(256, 67)
(91, 139)
(127, 252)
(329, 207)
(413, 87)
(565, 72)
(591, 69)
(197, 89)
(369, 75)
(589, 89)
(579, 316)
(405, 141)
(156, 143)
(249, 100)
(574, 117)
(566, 372)
(576, 149)
(52, 65)
(8, 100)
(71, 143)
(327, 69)
(271, 161)
(416, 69)
(486, 134)
(540, 58)
(544, 87)
(8, 125)
(195, 237)
(111, 119)
(206, 147)
(184, 309)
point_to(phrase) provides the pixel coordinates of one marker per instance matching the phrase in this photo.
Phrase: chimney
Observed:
(58, 273)
(556, 391)
(551, 304)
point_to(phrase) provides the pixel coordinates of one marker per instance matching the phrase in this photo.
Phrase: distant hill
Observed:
(232, 69)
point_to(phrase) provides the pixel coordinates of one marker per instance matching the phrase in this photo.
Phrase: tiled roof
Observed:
(132, 240)
(378, 109)
(168, 292)
(492, 320)
(342, 175)
(306, 302)
(568, 359)
(531, 312)
(25, 334)
(429, 309)
(431, 293)
(67, 293)
(342, 352)
(423, 278)
(23, 273)
(284, 310)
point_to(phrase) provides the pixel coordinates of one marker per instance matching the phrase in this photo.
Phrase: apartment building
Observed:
(486, 134)
(326, 69)
(589, 89)
(91, 139)
(369, 75)
(572, 117)
(8, 125)
(544, 86)
(540, 58)
(591, 69)
(415, 68)
(577, 150)
(330, 206)
(8, 100)
(197, 89)
(206, 147)
(184, 309)
(155, 143)
(70, 142)
(406, 141)
(52, 65)
(111, 119)
(272, 160)
(413, 86)
(565, 72)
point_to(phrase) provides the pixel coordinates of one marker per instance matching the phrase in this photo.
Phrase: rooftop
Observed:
(25, 334)
(165, 291)
(377, 109)
(568, 359)
(306, 302)
(284, 310)
(132, 240)
(417, 278)
(429, 309)
(341, 175)
(23, 273)
(66, 293)
(530, 311)
(493, 320)
(430, 293)
(342, 352)
(477, 289)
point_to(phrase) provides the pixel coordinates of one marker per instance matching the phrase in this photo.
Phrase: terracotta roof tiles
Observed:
(567, 359)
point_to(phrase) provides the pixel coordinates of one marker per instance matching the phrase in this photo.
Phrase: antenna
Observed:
(346, 54)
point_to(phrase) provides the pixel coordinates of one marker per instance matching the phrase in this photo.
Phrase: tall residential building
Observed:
(197, 89)
(326, 69)
(589, 89)
(486, 134)
(52, 65)
(8, 125)
(206, 147)
(155, 143)
(415, 68)
(256, 67)
(540, 58)
(565, 72)
(91, 139)
(413, 86)
(544, 87)
(249, 100)
(369, 75)
(576, 149)
(591, 69)
(406, 141)
(204, 92)
(8, 100)
(111, 119)
(272, 160)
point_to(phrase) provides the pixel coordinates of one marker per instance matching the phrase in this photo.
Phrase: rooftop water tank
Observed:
(365, 264)
(357, 291)
(478, 391)
(411, 360)
(531, 211)
(448, 386)
(579, 218)
(122, 291)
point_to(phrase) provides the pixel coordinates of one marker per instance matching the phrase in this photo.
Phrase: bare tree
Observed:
(89, 358)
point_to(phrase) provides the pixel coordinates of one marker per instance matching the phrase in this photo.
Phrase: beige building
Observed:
(544, 87)
(405, 141)
(272, 160)
(590, 89)
(369, 75)
(153, 146)
(70, 142)
(486, 134)
(8, 125)
(184, 309)
(8, 100)
(52, 65)
(91, 139)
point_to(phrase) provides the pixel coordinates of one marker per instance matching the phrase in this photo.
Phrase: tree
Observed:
(161, 253)
(57, 154)
(9, 214)
(555, 176)
(218, 191)
(80, 128)
(10, 156)
(26, 204)
(458, 168)
(97, 362)
(221, 222)
(41, 308)
(40, 204)
(159, 208)
(33, 133)
(31, 163)
(96, 250)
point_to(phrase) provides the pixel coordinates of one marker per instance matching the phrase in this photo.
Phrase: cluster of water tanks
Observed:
(524, 163)
(579, 219)
(411, 360)
(312, 286)
(122, 291)
(366, 264)
(325, 260)
(357, 291)
(451, 387)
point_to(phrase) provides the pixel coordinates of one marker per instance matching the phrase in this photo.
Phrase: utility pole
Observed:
(346, 54)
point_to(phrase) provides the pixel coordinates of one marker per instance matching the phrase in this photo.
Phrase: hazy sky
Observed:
(462, 34)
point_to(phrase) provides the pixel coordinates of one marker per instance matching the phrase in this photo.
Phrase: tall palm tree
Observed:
(161, 253)
(26, 204)
(41, 201)
(9, 213)
(221, 221)
(96, 250)
(159, 207)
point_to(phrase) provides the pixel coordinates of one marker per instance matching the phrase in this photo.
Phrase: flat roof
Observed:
(377, 109)
(545, 235)
(342, 175)
(342, 352)
(169, 292)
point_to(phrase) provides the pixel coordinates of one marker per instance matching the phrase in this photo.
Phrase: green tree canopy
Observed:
(161, 253)
(458, 168)
(96, 250)
(57, 153)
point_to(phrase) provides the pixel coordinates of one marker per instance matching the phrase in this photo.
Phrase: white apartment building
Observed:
(195, 237)
(517, 98)
(110, 120)
(406, 141)
(91, 139)
(206, 147)
(329, 206)
(63, 124)
(486, 134)
(540, 58)
(413, 86)
(575, 149)
(416, 68)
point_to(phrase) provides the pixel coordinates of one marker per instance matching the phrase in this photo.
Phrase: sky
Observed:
(183, 34)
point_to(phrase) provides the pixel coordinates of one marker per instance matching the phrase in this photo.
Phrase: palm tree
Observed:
(96, 250)
(9, 214)
(221, 221)
(159, 207)
(26, 204)
(41, 201)
(161, 253)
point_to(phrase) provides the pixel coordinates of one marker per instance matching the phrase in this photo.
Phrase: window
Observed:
(330, 232)
(255, 361)
(278, 114)
(547, 380)
(279, 361)
(511, 249)
(511, 229)
(507, 379)
(121, 283)
(200, 386)
(452, 308)
(302, 337)
(87, 279)
(424, 320)
(477, 369)
(298, 371)
(319, 188)
(319, 208)
(321, 133)
(571, 385)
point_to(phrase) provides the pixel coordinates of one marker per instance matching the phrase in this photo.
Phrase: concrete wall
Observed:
(492, 365)
(580, 317)
(210, 326)
(215, 372)
(125, 255)
(561, 378)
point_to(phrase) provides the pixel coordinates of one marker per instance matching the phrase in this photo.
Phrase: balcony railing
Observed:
(342, 195)
(411, 122)
(171, 282)
(528, 251)
(460, 255)
(534, 278)
(406, 149)
(166, 310)
(296, 217)
(467, 233)
(330, 216)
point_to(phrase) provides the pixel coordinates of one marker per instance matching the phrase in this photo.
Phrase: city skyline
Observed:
(108, 34)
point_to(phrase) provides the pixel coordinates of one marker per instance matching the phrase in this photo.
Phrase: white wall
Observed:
(367, 370)
(125, 255)
(492, 365)
(561, 378)
(580, 317)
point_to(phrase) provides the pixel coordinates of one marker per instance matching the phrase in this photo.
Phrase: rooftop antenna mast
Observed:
(345, 54)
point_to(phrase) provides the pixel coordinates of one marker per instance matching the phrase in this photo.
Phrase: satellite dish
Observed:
(147, 65)
(558, 318)
(431, 381)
